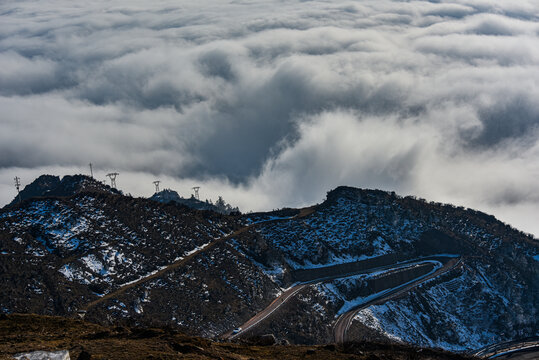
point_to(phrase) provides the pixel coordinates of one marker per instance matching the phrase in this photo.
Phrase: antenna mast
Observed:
(156, 183)
(91, 171)
(18, 186)
(196, 188)
(112, 177)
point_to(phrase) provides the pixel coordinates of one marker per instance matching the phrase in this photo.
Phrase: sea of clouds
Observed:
(273, 103)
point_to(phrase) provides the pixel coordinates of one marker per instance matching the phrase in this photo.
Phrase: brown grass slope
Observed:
(84, 340)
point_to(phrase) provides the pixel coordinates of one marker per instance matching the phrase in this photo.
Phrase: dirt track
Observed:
(302, 213)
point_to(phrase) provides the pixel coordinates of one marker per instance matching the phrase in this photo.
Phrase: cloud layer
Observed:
(272, 103)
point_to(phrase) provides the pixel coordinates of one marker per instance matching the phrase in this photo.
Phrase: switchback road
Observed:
(345, 320)
(292, 291)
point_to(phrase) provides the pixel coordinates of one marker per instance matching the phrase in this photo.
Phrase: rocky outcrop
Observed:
(53, 186)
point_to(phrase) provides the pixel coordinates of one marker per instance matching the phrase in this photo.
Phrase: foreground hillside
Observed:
(83, 340)
(364, 264)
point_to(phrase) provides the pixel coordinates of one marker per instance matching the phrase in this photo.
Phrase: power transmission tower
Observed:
(196, 188)
(18, 187)
(112, 177)
(156, 183)
(91, 171)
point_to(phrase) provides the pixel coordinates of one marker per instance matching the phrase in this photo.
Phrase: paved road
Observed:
(275, 304)
(521, 354)
(292, 291)
(516, 350)
(345, 320)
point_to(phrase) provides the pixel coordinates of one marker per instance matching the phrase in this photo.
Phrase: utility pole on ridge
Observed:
(18, 186)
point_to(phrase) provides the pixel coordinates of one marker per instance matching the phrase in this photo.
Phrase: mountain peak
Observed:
(51, 185)
(353, 193)
(168, 195)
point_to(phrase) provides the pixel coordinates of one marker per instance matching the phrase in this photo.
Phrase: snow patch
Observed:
(368, 318)
(94, 264)
(67, 272)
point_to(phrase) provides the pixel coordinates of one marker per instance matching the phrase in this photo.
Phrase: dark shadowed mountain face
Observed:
(50, 185)
(464, 279)
(60, 252)
(220, 206)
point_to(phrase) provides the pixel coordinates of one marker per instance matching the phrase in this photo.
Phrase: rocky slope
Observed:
(59, 253)
(50, 185)
(138, 261)
(168, 195)
(84, 340)
(491, 296)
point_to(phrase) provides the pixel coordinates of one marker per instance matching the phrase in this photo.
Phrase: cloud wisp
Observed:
(272, 103)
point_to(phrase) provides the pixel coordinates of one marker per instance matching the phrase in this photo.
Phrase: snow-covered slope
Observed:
(145, 262)
(87, 245)
(493, 294)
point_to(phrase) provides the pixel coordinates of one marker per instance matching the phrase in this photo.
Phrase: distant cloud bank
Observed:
(272, 103)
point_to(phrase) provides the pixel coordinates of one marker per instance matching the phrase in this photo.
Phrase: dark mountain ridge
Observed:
(168, 195)
(493, 288)
(142, 262)
(69, 185)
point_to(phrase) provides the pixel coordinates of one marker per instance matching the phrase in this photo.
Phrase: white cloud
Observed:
(272, 103)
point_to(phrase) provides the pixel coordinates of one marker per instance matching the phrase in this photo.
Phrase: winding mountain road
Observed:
(524, 349)
(345, 320)
(295, 289)
(275, 304)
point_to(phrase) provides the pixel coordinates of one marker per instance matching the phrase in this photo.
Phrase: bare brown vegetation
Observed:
(84, 340)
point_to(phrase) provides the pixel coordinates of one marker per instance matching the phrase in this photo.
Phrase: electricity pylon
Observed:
(112, 177)
(196, 188)
(156, 183)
